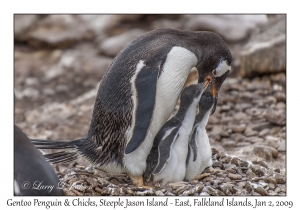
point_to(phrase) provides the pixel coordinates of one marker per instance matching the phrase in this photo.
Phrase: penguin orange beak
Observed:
(216, 83)
(214, 92)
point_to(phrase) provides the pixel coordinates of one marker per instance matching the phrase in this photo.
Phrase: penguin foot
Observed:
(138, 181)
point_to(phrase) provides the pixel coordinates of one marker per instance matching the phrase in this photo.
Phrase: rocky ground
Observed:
(59, 62)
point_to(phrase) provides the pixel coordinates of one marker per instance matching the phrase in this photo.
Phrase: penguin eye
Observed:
(214, 72)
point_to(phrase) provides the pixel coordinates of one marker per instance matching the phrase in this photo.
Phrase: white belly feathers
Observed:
(175, 71)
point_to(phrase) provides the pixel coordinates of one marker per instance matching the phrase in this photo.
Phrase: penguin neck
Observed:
(202, 118)
(186, 114)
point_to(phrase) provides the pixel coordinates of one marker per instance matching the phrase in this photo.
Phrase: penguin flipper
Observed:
(145, 85)
(164, 151)
(193, 143)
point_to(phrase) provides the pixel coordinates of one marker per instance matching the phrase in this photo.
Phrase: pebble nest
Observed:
(229, 175)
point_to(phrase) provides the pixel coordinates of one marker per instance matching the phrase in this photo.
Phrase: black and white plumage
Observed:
(199, 155)
(138, 93)
(167, 159)
(31, 170)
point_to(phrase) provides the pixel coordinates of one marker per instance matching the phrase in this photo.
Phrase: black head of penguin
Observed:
(215, 64)
(206, 100)
(205, 104)
(190, 95)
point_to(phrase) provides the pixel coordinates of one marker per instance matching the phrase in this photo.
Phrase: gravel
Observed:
(228, 175)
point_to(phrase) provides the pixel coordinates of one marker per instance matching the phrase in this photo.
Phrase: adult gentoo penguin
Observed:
(199, 155)
(32, 174)
(138, 93)
(167, 159)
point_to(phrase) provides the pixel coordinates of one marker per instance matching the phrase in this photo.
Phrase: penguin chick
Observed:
(167, 159)
(31, 170)
(199, 155)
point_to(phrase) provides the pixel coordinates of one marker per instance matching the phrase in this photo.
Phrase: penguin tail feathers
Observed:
(58, 144)
(62, 157)
(58, 157)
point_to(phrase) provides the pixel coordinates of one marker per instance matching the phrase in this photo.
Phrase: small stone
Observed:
(283, 188)
(240, 116)
(214, 151)
(218, 164)
(271, 180)
(194, 182)
(254, 111)
(263, 163)
(271, 186)
(257, 170)
(112, 45)
(277, 117)
(270, 100)
(210, 190)
(181, 189)
(272, 193)
(224, 134)
(204, 194)
(209, 170)
(239, 128)
(229, 143)
(220, 193)
(226, 159)
(225, 108)
(92, 181)
(229, 166)
(280, 179)
(280, 96)
(266, 152)
(77, 193)
(226, 179)
(248, 187)
(261, 126)
(193, 190)
(243, 144)
(249, 132)
(169, 194)
(241, 184)
(277, 190)
(282, 146)
(209, 179)
(261, 190)
(242, 192)
(277, 170)
(264, 132)
(115, 181)
(230, 170)
(201, 176)
(256, 179)
(234, 176)
(89, 191)
(241, 107)
(219, 175)
(262, 183)
(237, 137)
(70, 193)
(236, 161)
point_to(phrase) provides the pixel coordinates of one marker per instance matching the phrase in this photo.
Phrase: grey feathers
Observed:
(164, 150)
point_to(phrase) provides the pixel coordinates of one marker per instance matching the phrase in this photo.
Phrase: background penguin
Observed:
(167, 159)
(31, 167)
(199, 156)
(138, 93)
